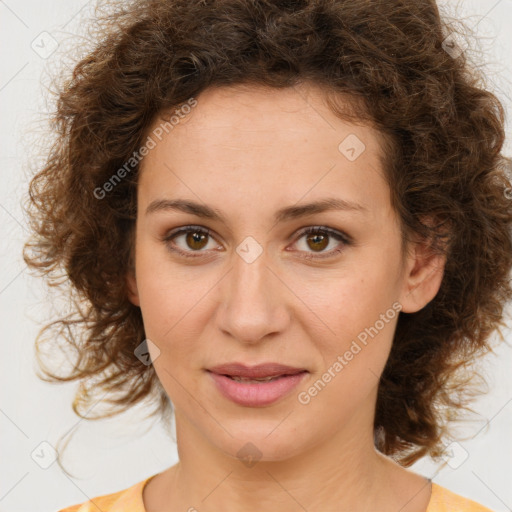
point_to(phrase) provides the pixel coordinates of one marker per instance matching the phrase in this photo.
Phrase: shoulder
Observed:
(444, 500)
(126, 500)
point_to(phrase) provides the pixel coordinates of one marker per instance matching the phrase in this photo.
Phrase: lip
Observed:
(252, 394)
(255, 372)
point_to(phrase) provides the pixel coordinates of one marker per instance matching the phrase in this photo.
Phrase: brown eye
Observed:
(317, 241)
(195, 239)
(318, 238)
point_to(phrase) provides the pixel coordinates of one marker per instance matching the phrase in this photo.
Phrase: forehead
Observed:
(253, 114)
(273, 146)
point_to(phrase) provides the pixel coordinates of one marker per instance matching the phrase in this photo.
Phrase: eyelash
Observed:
(337, 235)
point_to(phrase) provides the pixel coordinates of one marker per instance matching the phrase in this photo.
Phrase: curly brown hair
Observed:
(445, 134)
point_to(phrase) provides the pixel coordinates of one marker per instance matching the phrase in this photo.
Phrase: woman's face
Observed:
(256, 289)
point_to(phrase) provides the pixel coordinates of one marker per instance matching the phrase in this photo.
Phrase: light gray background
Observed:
(110, 455)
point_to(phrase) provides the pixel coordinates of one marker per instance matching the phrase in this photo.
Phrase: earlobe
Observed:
(424, 274)
(131, 280)
(131, 285)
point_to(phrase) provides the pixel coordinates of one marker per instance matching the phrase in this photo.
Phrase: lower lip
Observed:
(256, 394)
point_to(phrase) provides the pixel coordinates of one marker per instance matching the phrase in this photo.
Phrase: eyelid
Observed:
(342, 237)
(334, 233)
(168, 237)
(325, 229)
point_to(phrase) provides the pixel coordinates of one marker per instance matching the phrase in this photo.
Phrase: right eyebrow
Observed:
(282, 215)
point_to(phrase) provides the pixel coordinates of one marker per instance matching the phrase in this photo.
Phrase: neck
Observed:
(340, 472)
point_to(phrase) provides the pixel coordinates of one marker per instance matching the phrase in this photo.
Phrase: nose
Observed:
(254, 301)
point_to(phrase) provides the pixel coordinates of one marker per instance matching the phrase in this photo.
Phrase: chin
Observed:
(254, 445)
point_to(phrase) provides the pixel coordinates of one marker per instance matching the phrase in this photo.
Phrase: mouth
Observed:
(259, 373)
(256, 386)
(255, 381)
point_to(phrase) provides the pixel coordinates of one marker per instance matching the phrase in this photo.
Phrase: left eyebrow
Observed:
(282, 215)
(327, 204)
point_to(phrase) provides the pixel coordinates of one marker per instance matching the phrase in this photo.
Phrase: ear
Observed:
(423, 275)
(131, 285)
(131, 279)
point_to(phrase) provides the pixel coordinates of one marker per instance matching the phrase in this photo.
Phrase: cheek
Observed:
(353, 358)
(352, 298)
(170, 295)
(357, 312)
(176, 307)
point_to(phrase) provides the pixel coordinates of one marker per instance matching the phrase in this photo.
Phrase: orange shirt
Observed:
(130, 500)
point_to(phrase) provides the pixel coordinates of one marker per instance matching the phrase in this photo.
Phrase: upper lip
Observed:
(255, 372)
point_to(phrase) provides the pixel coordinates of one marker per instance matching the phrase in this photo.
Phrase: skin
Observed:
(248, 151)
